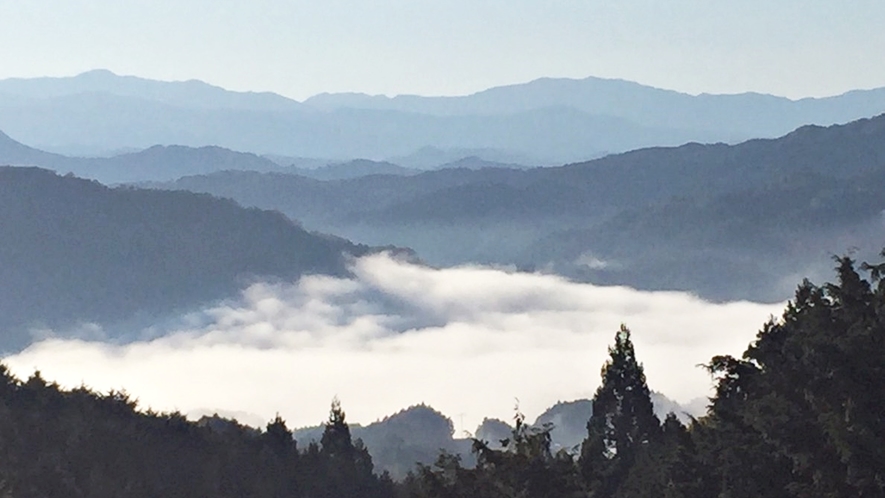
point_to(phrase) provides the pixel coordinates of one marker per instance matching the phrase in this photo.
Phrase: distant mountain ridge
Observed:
(354, 169)
(551, 121)
(192, 93)
(157, 163)
(73, 251)
(417, 434)
(750, 114)
(724, 221)
(162, 163)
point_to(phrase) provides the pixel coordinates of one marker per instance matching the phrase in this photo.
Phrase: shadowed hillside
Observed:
(727, 222)
(157, 163)
(73, 250)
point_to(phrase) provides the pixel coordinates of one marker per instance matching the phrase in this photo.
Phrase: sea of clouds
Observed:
(467, 341)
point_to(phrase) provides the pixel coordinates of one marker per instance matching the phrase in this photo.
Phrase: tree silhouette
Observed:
(623, 422)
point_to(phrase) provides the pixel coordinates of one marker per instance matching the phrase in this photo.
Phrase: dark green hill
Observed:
(73, 250)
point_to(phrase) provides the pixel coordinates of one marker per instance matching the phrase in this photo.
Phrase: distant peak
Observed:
(97, 73)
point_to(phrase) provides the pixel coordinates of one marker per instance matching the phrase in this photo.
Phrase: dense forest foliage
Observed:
(132, 252)
(800, 414)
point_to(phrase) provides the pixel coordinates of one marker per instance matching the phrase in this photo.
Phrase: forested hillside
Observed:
(727, 222)
(798, 415)
(74, 251)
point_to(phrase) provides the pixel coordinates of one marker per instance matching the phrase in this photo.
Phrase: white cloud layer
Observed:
(465, 340)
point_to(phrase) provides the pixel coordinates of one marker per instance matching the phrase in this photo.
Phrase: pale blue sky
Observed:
(447, 47)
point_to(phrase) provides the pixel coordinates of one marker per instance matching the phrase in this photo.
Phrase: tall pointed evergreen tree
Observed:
(346, 461)
(623, 421)
(336, 441)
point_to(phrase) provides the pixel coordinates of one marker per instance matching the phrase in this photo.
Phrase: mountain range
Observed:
(76, 252)
(417, 434)
(726, 221)
(547, 121)
(169, 162)
(741, 221)
(156, 163)
(191, 221)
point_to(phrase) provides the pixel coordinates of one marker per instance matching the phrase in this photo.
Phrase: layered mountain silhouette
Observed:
(747, 115)
(417, 434)
(353, 169)
(73, 251)
(429, 157)
(157, 163)
(727, 222)
(191, 94)
(399, 441)
(166, 163)
(548, 121)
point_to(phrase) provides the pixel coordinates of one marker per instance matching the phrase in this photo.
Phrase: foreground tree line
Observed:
(800, 414)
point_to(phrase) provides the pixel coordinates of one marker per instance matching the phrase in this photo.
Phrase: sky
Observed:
(469, 341)
(298, 48)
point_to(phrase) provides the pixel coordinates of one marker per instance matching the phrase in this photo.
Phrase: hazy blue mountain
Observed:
(161, 162)
(428, 157)
(352, 169)
(189, 94)
(474, 162)
(417, 434)
(495, 431)
(299, 162)
(727, 222)
(746, 115)
(102, 122)
(569, 423)
(400, 441)
(568, 419)
(545, 122)
(14, 153)
(74, 251)
(157, 163)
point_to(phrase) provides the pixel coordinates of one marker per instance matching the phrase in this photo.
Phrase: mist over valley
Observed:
(448, 268)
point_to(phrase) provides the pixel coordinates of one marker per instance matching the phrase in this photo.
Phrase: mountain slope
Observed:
(157, 163)
(747, 115)
(727, 222)
(76, 251)
(14, 153)
(103, 122)
(192, 94)
(627, 180)
(548, 121)
(351, 169)
(400, 441)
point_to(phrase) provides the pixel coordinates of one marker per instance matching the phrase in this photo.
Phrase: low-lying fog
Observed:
(465, 340)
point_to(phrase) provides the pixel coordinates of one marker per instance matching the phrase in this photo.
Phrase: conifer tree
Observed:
(336, 441)
(809, 389)
(623, 422)
(347, 462)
